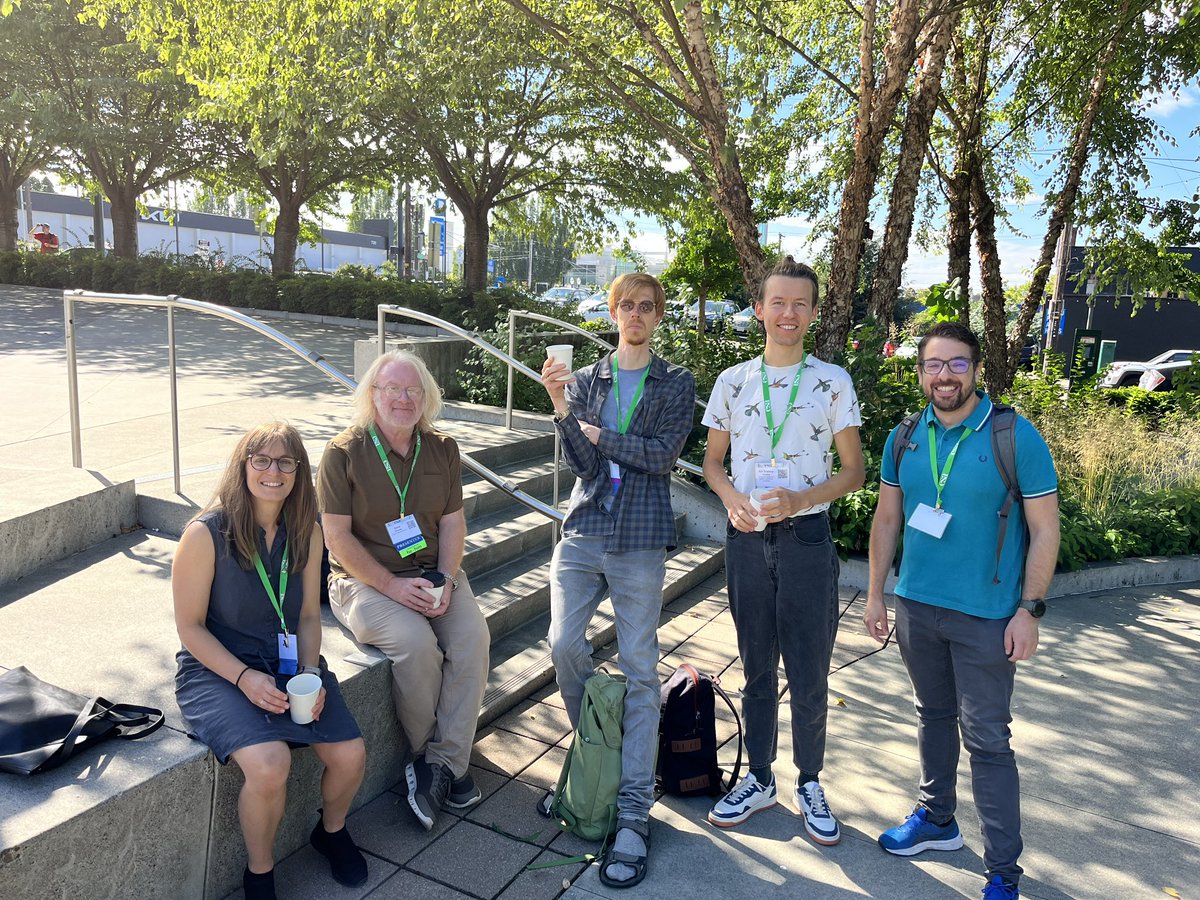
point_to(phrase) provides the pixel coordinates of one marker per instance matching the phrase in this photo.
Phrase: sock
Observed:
(627, 841)
(806, 777)
(939, 821)
(762, 774)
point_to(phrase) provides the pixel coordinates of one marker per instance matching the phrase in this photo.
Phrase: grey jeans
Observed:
(962, 680)
(783, 598)
(579, 575)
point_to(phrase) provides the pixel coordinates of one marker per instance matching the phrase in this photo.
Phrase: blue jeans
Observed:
(962, 679)
(579, 574)
(783, 598)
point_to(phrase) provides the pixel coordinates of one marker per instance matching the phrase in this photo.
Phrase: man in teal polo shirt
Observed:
(963, 620)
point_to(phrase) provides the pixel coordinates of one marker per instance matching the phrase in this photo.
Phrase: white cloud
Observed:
(1165, 105)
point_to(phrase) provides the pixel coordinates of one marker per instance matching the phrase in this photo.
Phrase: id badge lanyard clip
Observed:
(277, 600)
(777, 432)
(940, 479)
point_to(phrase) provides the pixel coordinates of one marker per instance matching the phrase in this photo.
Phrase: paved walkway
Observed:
(1105, 725)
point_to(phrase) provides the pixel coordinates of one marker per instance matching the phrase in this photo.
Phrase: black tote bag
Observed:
(43, 725)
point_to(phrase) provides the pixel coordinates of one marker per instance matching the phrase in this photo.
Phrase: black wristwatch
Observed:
(1036, 608)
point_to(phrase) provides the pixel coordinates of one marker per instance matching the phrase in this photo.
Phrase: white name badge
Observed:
(405, 534)
(614, 474)
(929, 520)
(768, 476)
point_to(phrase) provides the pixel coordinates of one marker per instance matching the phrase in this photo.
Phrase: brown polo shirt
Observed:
(351, 481)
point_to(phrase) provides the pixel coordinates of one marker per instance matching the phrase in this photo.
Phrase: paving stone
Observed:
(550, 695)
(474, 859)
(505, 752)
(543, 884)
(543, 772)
(539, 721)
(405, 885)
(305, 876)
(388, 828)
(513, 810)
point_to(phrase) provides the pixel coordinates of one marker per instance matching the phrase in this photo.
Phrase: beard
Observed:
(950, 402)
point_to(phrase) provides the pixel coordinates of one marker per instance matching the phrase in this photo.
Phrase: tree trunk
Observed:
(9, 226)
(287, 235)
(877, 109)
(701, 308)
(890, 266)
(122, 206)
(1064, 206)
(476, 231)
(733, 199)
(995, 344)
(958, 217)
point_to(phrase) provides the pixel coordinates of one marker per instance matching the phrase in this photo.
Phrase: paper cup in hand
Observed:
(438, 580)
(302, 691)
(758, 500)
(562, 353)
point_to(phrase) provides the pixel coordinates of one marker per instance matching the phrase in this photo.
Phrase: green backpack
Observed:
(585, 798)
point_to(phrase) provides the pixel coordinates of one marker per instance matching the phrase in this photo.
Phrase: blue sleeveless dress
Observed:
(243, 619)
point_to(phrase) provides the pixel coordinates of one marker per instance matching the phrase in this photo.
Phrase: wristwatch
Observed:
(453, 582)
(310, 670)
(1036, 608)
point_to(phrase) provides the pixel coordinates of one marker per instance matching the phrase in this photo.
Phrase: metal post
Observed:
(512, 340)
(72, 381)
(557, 464)
(381, 315)
(171, 298)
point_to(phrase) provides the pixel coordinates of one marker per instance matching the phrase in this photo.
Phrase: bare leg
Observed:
(261, 802)
(344, 763)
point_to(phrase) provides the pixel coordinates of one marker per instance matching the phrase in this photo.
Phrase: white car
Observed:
(744, 322)
(595, 308)
(1128, 374)
(563, 296)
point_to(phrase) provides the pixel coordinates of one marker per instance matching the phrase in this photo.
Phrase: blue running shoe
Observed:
(917, 834)
(999, 889)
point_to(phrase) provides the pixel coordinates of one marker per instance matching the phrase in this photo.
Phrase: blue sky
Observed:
(1175, 174)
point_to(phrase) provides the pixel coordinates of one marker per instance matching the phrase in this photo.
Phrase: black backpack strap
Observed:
(903, 442)
(1004, 452)
(737, 766)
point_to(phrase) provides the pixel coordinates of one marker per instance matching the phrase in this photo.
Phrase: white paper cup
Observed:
(435, 592)
(562, 353)
(302, 691)
(757, 502)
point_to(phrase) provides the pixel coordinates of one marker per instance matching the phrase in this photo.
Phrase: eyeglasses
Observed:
(395, 392)
(960, 365)
(286, 464)
(645, 307)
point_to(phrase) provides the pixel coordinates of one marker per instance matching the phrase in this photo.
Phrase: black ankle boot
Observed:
(259, 886)
(346, 863)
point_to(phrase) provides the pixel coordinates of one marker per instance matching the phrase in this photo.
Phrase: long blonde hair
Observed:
(364, 399)
(234, 498)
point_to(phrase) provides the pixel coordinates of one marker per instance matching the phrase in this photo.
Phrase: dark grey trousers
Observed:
(783, 598)
(962, 680)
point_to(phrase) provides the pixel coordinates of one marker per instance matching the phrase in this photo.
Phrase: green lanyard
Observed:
(276, 601)
(388, 466)
(777, 433)
(623, 422)
(940, 480)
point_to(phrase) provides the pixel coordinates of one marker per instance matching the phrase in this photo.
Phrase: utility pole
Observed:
(98, 221)
(531, 262)
(407, 271)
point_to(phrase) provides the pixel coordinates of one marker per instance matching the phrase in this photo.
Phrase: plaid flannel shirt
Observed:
(641, 517)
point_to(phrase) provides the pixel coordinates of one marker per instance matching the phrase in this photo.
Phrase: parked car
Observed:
(564, 296)
(1128, 374)
(715, 313)
(595, 308)
(744, 322)
(1162, 376)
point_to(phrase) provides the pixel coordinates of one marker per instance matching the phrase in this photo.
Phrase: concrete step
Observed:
(521, 664)
(47, 517)
(532, 477)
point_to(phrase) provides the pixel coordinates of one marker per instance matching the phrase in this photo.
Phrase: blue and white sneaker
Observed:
(819, 822)
(917, 834)
(999, 889)
(747, 798)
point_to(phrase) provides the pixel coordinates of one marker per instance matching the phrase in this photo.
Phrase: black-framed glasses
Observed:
(395, 391)
(645, 307)
(960, 365)
(261, 462)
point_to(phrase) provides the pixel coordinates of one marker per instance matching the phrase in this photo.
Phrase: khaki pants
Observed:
(439, 666)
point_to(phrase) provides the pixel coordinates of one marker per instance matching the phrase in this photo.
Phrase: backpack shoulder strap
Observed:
(737, 766)
(903, 441)
(1004, 452)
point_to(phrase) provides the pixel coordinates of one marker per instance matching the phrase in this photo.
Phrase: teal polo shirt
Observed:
(956, 570)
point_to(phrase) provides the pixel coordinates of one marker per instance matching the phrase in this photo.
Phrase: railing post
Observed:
(171, 298)
(557, 465)
(512, 341)
(381, 316)
(72, 381)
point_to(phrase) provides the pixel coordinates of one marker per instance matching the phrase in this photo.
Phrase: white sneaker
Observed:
(819, 822)
(747, 798)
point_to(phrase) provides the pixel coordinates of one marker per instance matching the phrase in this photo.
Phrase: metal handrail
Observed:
(384, 310)
(173, 302)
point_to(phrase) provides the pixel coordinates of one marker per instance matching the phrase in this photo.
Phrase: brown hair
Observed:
(633, 281)
(233, 496)
(789, 268)
(955, 331)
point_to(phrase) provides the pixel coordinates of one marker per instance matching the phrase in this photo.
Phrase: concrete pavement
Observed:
(1106, 714)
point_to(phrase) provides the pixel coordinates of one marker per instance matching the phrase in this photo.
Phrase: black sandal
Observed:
(637, 863)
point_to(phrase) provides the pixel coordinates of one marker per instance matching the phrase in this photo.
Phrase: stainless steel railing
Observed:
(174, 302)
